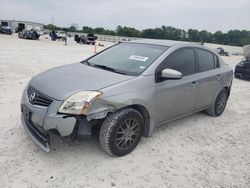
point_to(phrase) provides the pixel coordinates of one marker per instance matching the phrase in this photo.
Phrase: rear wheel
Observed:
(219, 105)
(121, 132)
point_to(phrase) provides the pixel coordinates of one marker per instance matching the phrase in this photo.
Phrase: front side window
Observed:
(127, 58)
(206, 60)
(182, 60)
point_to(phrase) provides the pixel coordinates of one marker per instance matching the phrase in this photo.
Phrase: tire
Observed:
(219, 105)
(121, 132)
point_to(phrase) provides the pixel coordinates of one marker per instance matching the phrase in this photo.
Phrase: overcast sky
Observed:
(211, 15)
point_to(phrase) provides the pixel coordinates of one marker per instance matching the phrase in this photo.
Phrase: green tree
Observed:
(51, 27)
(100, 30)
(127, 31)
(86, 29)
(205, 36)
(193, 35)
(232, 37)
(147, 33)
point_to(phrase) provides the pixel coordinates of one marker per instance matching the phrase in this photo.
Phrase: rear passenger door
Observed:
(208, 77)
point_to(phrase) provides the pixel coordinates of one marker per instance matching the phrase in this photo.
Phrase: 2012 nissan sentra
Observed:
(124, 92)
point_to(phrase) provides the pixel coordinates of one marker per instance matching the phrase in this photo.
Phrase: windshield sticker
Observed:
(138, 58)
(142, 67)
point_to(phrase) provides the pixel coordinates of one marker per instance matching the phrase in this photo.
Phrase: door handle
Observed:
(193, 84)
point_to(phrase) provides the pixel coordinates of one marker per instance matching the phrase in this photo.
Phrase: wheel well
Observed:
(145, 115)
(141, 109)
(228, 90)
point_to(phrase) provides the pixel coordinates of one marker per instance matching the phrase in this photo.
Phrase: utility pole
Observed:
(52, 20)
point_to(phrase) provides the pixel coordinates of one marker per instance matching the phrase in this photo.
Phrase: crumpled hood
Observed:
(62, 82)
(247, 51)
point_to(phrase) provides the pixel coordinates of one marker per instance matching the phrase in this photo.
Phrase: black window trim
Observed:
(158, 69)
(218, 61)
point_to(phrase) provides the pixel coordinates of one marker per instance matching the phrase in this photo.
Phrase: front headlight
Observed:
(79, 103)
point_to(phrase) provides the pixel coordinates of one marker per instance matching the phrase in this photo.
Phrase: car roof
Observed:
(170, 43)
(167, 43)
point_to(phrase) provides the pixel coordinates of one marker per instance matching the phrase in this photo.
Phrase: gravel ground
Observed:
(196, 151)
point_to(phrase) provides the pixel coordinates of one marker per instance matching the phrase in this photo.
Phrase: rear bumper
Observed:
(41, 139)
(90, 41)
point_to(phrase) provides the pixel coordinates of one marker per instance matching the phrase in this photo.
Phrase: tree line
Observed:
(232, 37)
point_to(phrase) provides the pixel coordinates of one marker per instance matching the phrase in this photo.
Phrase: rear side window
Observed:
(182, 60)
(206, 60)
(216, 62)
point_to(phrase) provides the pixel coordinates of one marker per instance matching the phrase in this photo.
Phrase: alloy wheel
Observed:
(127, 133)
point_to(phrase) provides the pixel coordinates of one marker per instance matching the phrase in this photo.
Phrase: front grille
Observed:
(40, 138)
(38, 97)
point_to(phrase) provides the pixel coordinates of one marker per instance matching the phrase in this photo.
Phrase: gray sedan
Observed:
(124, 92)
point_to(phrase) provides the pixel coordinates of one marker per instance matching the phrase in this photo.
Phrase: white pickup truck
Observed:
(60, 34)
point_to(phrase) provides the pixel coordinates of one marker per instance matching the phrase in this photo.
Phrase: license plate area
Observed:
(26, 113)
(34, 114)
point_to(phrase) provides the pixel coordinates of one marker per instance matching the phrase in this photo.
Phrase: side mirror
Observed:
(171, 74)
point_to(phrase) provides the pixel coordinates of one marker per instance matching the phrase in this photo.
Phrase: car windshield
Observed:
(127, 58)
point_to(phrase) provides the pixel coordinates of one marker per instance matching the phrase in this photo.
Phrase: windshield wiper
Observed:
(108, 68)
(103, 67)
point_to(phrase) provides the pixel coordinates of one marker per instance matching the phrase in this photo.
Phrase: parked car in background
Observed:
(5, 30)
(40, 32)
(77, 38)
(124, 92)
(53, 35)
(19, 29)
(61, 34)
(29, 34)
(89, 39)
(222, 52)
(86, 39)
(226, 53)
(242, 70)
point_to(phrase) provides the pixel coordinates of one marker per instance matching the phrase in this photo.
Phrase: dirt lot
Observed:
(196, 151)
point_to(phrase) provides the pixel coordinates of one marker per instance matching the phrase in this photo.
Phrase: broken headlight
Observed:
(79, 103)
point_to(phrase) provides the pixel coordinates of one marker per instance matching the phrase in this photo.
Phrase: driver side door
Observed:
(176, 97)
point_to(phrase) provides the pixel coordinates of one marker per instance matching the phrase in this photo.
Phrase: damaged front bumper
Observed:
(40, 138)
(39, 121)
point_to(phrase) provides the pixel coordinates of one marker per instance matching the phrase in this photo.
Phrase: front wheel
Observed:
(219, 105)
(121, 132)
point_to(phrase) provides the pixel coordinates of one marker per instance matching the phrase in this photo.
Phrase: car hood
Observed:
(247, 51)
(61, 82)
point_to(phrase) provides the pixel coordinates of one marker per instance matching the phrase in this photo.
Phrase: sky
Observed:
(211, 15)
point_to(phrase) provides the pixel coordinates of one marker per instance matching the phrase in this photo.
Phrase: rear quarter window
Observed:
(216, 62)
(206, 60)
